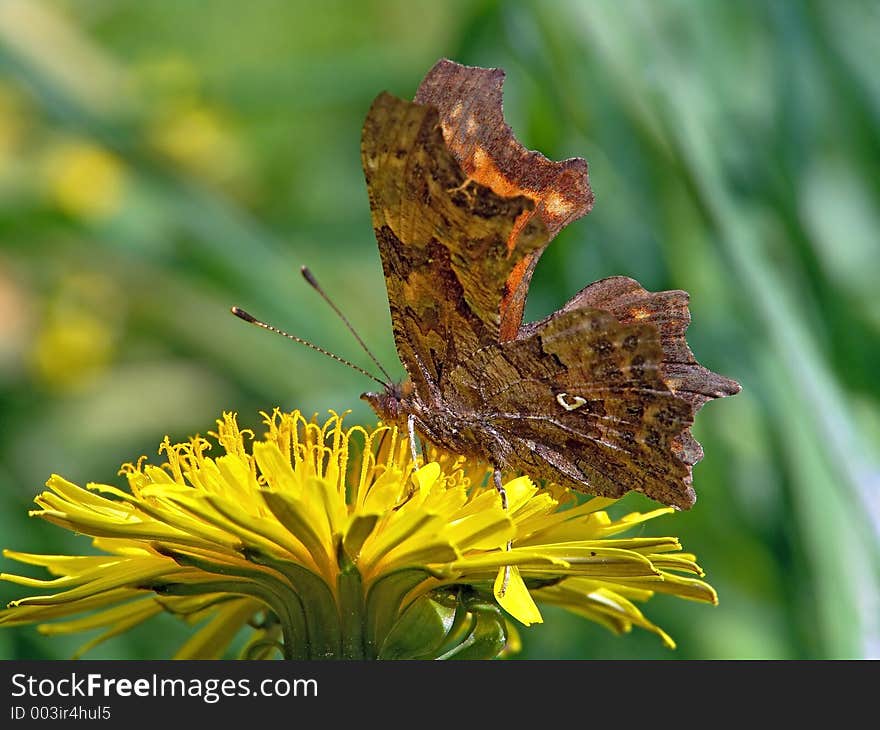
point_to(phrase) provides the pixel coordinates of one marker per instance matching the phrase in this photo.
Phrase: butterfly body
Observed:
(600, 395)
(460, 431)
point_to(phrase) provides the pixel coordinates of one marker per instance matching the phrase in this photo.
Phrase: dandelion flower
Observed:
(326, 541)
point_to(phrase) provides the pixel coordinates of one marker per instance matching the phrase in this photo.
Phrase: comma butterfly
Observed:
(599, 396)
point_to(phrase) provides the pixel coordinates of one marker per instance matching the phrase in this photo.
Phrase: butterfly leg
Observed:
(411, 431)
(503, 494)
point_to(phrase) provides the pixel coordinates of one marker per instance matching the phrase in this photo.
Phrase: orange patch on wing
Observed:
(482, 169)
(514, 300)
(551, 205)
(557, 206)
(518, 225)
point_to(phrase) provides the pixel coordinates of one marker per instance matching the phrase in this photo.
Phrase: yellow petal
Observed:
(212, 640)
(485, 531)
(384, 493)
(427, 476)
(513, 596)
(519, 491)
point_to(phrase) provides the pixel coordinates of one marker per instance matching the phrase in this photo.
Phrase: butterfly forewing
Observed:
(442, 239)
(468, 100)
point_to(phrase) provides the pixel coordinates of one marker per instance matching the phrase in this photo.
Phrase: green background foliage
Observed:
(160, 161)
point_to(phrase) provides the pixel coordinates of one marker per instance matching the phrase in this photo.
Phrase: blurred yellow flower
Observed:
(72, 348)
(186, 128)
(77, 338)
(85, 180)
(196, 137)
(325, 541)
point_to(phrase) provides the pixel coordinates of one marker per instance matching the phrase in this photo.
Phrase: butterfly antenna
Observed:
(313, 282)
(241, 314)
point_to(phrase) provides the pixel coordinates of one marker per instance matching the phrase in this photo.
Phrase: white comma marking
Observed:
(570, 402)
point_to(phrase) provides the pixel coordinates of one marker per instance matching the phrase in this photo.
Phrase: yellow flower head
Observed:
(86, 181)
(326, 541)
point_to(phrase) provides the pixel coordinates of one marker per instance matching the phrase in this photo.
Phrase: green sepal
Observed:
(352, 611)
(292, 620)
(420, 632)
(318, 604)
(480, 634)
(384, 600)
(298, 616)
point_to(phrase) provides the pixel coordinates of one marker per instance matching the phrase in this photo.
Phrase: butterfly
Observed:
(600, 396)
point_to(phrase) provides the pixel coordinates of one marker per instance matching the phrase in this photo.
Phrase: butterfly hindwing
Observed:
(581, 400)
(628, 301)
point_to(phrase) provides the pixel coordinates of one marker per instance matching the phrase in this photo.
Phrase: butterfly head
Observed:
(391, 402)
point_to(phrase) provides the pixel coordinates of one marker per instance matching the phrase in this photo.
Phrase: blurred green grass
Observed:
(159, 163)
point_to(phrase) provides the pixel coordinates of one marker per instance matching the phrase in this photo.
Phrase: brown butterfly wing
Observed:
(469, 102)
(628, 301)
(443, 240)
(581, 400)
